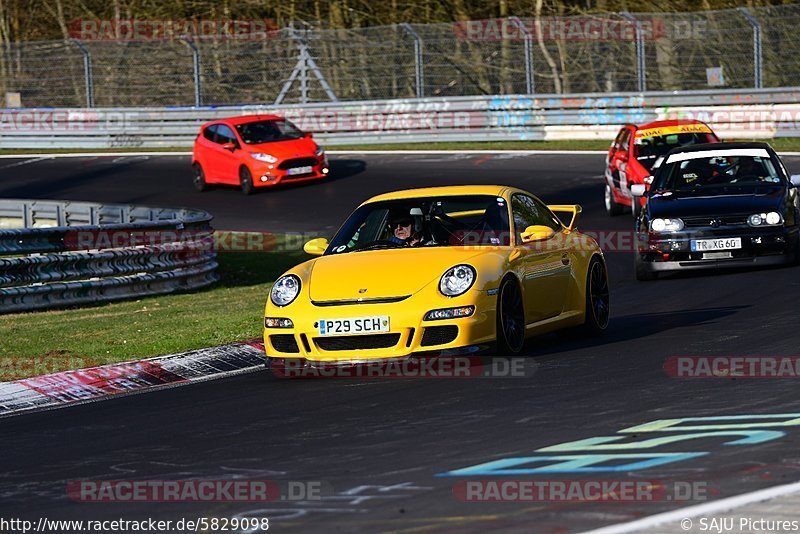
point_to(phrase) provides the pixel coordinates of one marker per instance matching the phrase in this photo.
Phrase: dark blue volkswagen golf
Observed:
(718, 205)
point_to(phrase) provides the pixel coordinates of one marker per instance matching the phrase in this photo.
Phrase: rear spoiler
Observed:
(574, 209)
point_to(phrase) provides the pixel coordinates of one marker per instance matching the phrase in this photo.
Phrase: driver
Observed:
(749, 167)
(401, 227)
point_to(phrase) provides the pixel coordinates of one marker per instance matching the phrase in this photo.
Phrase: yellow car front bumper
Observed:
(408, 332)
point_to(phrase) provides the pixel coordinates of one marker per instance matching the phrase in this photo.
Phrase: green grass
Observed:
(786, 144)
(48, 341)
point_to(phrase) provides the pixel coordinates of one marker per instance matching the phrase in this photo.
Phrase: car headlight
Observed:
(457, 280)
(666, 225)
(285, 290)
(319, 151)
(773, 218)
(263, 156)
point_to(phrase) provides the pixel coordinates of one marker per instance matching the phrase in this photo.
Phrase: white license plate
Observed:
(729, 243)
(354, 325)
(300, 170)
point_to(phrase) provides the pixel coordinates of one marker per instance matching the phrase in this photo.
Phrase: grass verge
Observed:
(48, 341)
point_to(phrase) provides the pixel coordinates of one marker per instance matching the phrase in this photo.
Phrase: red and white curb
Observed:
(96, 383)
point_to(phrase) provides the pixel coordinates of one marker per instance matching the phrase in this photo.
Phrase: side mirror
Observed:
(316, 247)
(795, 179)
(229, 146)
(638, 190)
(622, 156)
(537, 233)
(309, 135)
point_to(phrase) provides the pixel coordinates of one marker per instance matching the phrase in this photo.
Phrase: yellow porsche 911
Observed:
(440, 270)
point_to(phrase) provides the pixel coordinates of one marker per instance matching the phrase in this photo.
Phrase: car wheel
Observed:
(246, 181)
(612, 208)
(598, 310)
(510, 319)
(643, 274)
(199, 178)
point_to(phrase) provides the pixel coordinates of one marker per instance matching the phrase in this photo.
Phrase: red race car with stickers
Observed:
(638, 150)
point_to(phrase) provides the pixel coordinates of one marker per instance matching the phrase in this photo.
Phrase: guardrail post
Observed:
(198, 94)
(419, 65)
(528, 43)
(87, 71)
(757, 65)
(641, 72)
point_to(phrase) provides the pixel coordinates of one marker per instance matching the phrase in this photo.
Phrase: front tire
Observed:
(199, 178)
(598, 309)
(612, 207)
(510, 319)
(246, 181)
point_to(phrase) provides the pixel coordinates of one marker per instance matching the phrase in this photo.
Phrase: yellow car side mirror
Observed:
(316, 247)
(537, 233)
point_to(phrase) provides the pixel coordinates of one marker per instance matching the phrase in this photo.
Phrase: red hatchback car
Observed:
(255, 151)
(637, 151)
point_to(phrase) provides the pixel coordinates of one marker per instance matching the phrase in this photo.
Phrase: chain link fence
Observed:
(624, 52)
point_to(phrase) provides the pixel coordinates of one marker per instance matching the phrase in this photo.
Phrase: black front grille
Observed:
(368, 341)
(715, 222)
(284, 342)
(438, 335)
(297, 162)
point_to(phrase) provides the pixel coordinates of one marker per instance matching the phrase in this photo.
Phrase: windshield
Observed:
(425, 222)
(648, 149)
(717, 171)
(254, 133)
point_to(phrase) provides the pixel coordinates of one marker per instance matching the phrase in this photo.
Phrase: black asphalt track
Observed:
(380, 446)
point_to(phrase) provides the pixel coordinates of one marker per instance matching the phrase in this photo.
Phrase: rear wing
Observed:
(573, 209)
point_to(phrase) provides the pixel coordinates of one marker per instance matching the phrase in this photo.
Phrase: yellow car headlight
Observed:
(457, 280)
(285, 290)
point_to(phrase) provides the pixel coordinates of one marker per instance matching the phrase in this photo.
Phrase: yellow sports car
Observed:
(440, 270)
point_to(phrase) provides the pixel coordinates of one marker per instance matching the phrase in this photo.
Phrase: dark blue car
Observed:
(718, 205)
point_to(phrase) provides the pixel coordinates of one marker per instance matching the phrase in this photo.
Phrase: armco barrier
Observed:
(764, 113)
(59, 253)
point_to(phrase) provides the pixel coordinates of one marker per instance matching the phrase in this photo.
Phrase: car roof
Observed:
(450, 190)
(722, 146)
(235, 121)
(670, 122)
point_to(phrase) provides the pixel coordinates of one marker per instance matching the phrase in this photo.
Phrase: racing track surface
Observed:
(381, 443)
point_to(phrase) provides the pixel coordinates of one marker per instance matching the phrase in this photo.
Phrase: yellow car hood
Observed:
(382, 273)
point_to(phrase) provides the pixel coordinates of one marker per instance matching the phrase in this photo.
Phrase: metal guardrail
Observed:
(60, 253)
(763, 113)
